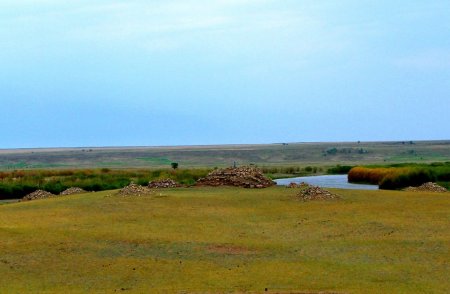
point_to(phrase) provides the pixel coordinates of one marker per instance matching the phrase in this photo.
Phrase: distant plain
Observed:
(282, 154)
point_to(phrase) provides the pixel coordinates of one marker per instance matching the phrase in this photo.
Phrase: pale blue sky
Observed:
(102, 73)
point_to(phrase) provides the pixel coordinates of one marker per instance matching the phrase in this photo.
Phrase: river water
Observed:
(327, 181)
(7, 201)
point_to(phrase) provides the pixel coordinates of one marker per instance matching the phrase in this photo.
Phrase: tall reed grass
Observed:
(402, 176)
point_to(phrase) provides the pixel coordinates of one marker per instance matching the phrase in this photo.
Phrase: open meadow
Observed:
(197, 240)
(323, 154)
(289, 147)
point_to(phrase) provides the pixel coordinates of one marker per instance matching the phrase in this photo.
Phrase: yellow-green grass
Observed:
(227, 240)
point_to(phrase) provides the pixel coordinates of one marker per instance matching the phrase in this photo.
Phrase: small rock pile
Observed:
(73, 190)
(164, 183)
(315, 193)
(38, 194)
(134, 190)
(246, 177)
(427, 187)
(295, 185)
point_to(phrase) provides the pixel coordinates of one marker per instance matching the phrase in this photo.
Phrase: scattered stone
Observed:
(295, 185)
(246, 177)
(292, 185)
(427, 187)
(164, 183)
(309, 192)
(134, 190)
(73, 190)
(38, 194)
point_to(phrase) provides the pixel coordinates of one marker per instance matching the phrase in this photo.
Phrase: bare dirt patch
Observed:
(230, 249)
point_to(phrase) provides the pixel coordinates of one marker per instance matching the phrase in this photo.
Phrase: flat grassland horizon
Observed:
(277, 154)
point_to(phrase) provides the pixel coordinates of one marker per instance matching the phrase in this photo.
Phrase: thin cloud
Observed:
(172, 25)
(434, 59)
(140, 19)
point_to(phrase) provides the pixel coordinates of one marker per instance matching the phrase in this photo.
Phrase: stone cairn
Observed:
(246, 177)
(163, 183)
(134, 190)
(38, 194)
(71, 191)
(427, 187)
(309, 192)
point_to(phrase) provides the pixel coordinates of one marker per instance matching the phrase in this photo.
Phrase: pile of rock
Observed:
(247, 177)
(315, 193)
(38, 194)
(134, 190)
(427, 187)
(73, 190)
(164, 183)
(295, 185)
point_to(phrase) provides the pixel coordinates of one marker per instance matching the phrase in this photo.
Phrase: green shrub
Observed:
(17, 184)
(339, 169)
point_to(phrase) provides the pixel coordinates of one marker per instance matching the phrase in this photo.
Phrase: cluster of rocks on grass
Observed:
(134, 190)
(41, 194)
(246, 177)
(38, 194)
(163, 183)
(309, 192)
(72, 191)
(427, 187)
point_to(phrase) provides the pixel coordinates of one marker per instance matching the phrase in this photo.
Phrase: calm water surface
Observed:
(6, 201)
(327, 181)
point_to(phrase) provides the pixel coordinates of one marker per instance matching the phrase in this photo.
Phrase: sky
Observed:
(189, 72)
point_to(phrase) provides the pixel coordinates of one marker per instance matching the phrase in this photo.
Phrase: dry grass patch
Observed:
(227, 240)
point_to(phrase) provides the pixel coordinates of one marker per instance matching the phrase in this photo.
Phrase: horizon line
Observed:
(217, 145)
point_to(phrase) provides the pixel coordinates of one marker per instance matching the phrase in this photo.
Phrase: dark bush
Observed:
(415, 177)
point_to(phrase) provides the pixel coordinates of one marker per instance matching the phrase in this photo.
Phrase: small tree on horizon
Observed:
(174, 165)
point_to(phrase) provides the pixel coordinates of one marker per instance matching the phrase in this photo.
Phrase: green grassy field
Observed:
(227, 240)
